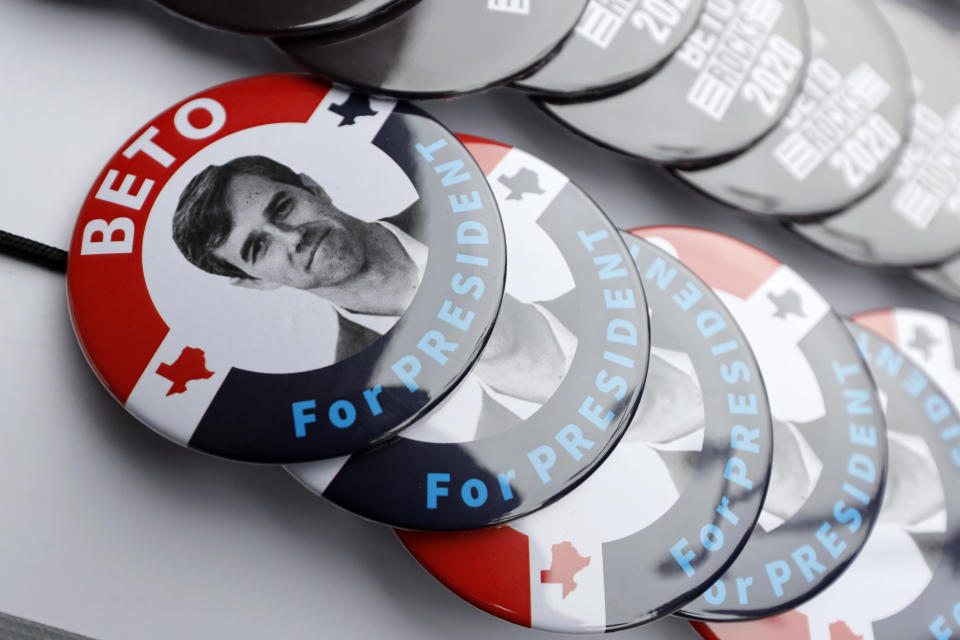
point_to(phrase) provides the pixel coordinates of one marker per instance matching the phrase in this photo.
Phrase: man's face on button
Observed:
(288, 235)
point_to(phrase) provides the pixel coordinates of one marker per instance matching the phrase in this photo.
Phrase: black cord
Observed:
(32, 251)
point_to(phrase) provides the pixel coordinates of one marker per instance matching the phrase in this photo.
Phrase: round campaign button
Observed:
(665, 513)
(944, 279)
(616, 44)
(828, 430)
(281, 17)
(275, 270)
(441, 48)
(913, 220)
(906, 581)
(843, 133)
(727, 85)
(554, 389)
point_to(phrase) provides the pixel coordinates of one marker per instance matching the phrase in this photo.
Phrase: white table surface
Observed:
(108, 530)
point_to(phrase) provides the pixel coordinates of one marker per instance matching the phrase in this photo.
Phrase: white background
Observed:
(109, 530)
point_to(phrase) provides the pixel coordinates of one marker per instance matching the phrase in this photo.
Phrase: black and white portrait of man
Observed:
(261, 225)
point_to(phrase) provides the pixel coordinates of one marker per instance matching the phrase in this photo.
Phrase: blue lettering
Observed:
(610, 266)
(828, 538)
(342, 414)
(682, 557)
(806, 559)
(301, 418)
(373, 403)
(453, 172)
(571, 438)
(474, 493)
(590, 241)
(779, 573)
(542, 458)
(407, 369)
(591, 410)
(716, 594)
(455, 316)
(434, 490)
(434, 344)
(472, 232)
(688, 296)
(464, 202)
(711, 537)
(504, 480)
(658, 271)
(743, 584)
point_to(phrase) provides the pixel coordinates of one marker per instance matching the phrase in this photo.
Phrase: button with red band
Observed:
(276, 270)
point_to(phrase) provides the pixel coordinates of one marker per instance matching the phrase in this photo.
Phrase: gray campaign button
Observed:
(905, 582)
(265, 304)
(728, 84)
(913, 220)
(617, 43)
(843, 133)
(440, 48)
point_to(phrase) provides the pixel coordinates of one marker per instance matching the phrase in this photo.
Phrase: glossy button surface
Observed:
(913, 220)
(238, 285)
(828, 429)
(843, 133)
(625, 547)
(904, 583)
(726, 86)
(441, 48)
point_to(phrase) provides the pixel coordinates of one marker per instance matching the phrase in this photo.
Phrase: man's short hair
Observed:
(203, 221)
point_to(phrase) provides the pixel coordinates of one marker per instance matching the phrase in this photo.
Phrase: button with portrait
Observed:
(829, 444)
(668, 509)
(277, 270)
(554, 389)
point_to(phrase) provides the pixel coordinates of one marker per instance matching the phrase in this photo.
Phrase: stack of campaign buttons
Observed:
(554, 389)
(727, 85)
(615, 427)
(912, 220)
(904, 583)
(665, 514)
(284, 17)
(440, 48)
(288, 314)
(436, 48)
(615, 45)
(855, 104)
(799, 111)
